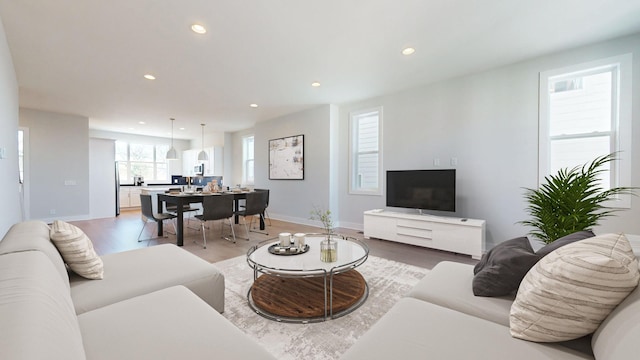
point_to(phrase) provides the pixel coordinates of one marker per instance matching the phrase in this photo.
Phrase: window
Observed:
(247, 159)
(585, 112)
(143, 160)
(365, 175)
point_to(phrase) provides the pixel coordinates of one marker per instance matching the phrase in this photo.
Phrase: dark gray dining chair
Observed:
(216, 207)
(172, 208)
(255, 204)
(266, 209)
(149, 216)
(186, 209)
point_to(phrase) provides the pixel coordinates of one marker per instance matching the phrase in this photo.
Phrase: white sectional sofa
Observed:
(154, 303)
(442, 319)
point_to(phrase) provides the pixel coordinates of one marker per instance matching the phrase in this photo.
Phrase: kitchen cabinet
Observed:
(129, 196)
(213, 166)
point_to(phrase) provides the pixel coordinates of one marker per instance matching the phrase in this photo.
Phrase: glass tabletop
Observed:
(351, 253)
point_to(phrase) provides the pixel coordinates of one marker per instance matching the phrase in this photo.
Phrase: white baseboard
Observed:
(316, 223)
(352, 226)
(295, 220)
(64, 218)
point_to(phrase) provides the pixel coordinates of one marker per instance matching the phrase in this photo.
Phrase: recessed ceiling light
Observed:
(254, 105)
(141, 122)
(408, 51)
(198, 29)
(181, 128)
(315, 84)
(149, 77)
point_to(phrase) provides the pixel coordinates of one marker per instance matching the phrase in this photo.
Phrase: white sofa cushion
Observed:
(37, 319)
(34, 235)
(136, 272)
(76, 250)
(448, 284)
(415, 329)
(569, 292)
(172, 323)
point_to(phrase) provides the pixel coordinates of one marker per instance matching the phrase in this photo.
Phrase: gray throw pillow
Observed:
(567, 239)
(502, 268)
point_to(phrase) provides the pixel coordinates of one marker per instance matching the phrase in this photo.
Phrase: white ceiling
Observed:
(88, 57)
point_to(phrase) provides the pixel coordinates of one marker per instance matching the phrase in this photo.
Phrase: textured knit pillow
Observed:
(565, 240)
(569, 292)
(76, 250)
(502, 268)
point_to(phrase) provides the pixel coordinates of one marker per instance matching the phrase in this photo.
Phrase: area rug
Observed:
(388, 282)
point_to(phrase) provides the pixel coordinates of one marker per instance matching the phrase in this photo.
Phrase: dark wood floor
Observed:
(120, 234)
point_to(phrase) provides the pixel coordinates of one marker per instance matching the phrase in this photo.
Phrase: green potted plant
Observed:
(323, 216)
(571, 200)
(328, 247)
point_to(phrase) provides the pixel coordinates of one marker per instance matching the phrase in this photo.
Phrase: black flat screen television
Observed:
(422, 189)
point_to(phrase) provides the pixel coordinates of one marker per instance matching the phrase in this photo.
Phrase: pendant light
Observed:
(202, 156)
(172, 154)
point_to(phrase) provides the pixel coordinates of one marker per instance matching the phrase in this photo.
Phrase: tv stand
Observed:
(464, 236)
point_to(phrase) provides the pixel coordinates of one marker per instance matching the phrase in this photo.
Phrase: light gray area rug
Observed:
(388, 282)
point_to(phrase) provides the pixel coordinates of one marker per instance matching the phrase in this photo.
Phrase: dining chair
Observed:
(149, 216)
(266, 209)
(173, 209)
(216, 207)
(255, 204)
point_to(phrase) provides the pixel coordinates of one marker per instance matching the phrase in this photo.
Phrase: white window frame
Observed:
(353, 143)
(621, 117)
(155, 163)
(248, 161)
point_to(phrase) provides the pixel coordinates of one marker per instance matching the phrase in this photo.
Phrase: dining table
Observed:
(181, 199)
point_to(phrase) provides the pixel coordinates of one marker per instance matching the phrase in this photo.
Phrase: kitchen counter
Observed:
(145, 185)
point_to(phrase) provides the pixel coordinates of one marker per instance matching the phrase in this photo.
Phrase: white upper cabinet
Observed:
(213, 166)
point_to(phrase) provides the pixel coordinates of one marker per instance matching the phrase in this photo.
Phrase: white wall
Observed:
(335, 171)
(175, 166)
(292, 200)
(10, 211)
(489, 122)
(59, 153)
(102, 178)
(228, 159)
(211, 139)
(233, 148)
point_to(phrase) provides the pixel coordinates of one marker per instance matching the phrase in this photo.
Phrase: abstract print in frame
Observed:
(286, 158)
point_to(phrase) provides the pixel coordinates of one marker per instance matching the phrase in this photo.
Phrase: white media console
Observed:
(464, 236)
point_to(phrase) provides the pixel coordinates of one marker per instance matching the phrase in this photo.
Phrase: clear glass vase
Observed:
(328, 250)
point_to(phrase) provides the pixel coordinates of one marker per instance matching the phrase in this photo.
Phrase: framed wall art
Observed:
(286, 158)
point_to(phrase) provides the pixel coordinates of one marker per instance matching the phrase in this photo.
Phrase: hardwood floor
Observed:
(120, 233)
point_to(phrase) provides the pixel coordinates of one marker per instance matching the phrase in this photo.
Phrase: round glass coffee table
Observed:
(301, 288)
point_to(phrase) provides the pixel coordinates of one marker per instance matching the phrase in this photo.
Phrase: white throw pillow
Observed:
(76, 250)
(569, 292)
